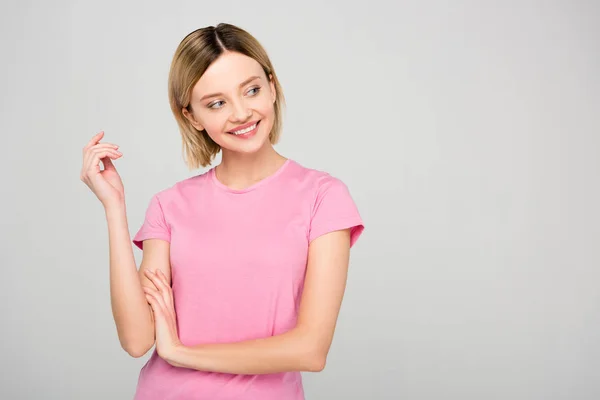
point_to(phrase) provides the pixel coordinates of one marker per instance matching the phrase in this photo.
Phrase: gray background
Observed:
(467, 132)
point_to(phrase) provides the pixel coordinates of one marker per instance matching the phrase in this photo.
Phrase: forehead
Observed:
(226, 73)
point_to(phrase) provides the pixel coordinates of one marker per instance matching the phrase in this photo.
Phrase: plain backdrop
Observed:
(467, 132)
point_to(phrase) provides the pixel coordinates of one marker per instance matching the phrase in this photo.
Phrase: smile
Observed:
(246, 131)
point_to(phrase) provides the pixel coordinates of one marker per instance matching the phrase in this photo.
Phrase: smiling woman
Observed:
(220, 116)
(221, 81)
(244, 266)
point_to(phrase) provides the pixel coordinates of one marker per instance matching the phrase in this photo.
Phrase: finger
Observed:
(157, 298)
(93, 164)
(150, 299)
(153, 295)
(93, 140)
(154, 304)
(108, 164)
(154, 292)
(156, 279)
(163, 277)
(150, 275)
(89, 156)
(104, 145)
(167, 287)
(164, 288)
(89, 153)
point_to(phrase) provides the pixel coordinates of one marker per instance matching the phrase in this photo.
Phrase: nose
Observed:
(240, 112)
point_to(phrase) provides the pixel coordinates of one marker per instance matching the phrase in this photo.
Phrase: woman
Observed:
(244, 266)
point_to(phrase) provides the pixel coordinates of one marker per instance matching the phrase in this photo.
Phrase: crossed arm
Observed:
(303, 348)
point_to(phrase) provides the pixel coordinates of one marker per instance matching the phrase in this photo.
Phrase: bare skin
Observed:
(142, 301)
(131, 311)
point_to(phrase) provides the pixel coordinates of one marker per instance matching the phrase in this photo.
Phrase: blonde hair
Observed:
(196, 52)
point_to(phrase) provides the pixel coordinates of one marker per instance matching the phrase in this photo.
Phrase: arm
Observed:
(303, 348)
(131, 311)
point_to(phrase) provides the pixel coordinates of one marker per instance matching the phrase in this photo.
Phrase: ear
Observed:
(191, 119)
(273, 91)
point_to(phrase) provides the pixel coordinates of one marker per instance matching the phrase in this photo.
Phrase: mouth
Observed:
(245, 130)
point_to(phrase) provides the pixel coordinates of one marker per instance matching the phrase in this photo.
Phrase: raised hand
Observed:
(106, 184)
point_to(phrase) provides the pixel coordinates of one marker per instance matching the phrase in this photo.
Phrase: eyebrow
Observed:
(206, 96)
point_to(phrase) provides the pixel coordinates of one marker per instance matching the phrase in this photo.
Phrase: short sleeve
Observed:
(154, 225)
(334, 209)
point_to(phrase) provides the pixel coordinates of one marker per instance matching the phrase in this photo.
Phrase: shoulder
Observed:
(331, 204)
(181, 190)
(316, 179)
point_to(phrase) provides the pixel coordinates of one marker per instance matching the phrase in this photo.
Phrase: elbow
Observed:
(136, 352)
(317, 364)
(314, 350)
(137, 349)
(314, 360)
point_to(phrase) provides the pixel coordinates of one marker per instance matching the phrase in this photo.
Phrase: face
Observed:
(228, 100)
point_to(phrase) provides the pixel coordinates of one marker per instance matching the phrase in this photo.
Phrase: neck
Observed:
(239, 171)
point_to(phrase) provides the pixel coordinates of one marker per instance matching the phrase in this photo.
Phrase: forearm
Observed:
(130, 308)
(290, 351)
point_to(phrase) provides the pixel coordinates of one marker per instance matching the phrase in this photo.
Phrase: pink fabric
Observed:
(238, 259)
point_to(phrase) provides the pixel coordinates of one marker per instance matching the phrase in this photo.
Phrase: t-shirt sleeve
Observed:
(334, 209)
(154, 225)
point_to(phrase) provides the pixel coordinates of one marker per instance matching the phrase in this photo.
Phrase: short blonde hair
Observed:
(196, 52)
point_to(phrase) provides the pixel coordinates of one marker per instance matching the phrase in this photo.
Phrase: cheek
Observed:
(214, 124)
(266, 108)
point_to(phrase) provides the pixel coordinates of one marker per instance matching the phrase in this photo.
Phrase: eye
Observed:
(256, 90)
(212, 105)
(216, 105)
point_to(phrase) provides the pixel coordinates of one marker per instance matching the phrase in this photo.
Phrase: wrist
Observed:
(114, 208)
(173, 356)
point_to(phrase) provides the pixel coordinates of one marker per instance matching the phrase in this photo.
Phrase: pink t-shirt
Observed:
(238, 259)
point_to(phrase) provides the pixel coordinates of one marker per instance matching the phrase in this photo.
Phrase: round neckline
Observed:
(255, 185)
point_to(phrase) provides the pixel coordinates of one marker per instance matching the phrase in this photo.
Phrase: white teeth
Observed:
(242, 131)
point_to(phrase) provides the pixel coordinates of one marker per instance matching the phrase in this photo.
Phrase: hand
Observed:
(165, 319)
(106, 184)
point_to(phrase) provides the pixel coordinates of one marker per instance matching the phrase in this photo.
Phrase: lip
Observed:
(243, 126)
